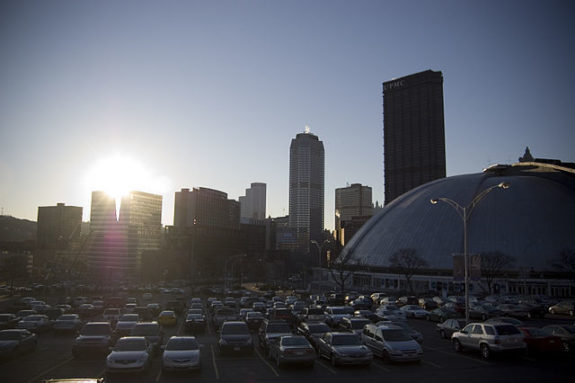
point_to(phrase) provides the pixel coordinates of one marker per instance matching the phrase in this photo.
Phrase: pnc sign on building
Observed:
(393, 85)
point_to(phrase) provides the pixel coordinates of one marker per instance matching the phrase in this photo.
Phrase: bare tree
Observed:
(407, 262)
(13, 269)
(493, 263)
(342, 269)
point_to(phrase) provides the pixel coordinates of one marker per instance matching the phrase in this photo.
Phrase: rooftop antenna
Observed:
(307, 130)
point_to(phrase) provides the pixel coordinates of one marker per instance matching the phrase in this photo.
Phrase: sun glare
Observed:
(118, 175)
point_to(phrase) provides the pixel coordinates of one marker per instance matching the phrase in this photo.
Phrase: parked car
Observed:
(564, 307)
(93, 337)
(565, 332)
(16, 341)
(270, 330)
(313, 331)
(539, 341)
(449, 326)
(311, 314)
(35, 323)
(224, 314)
(508, 320)
(151, 331)
(8, 321)
(334, 315)
(181, 353)
(67, 323)
(235, 336)
(130, 354)
(125, 324)
(388, 313)
(354, 324)
(254, 320)
(427, 304)
(111, 315)
(343, 348)
(195, 323)
(413, 333)
(292, 349)
(414, 311)
(391, 343)
(489, 338)
(167, 318)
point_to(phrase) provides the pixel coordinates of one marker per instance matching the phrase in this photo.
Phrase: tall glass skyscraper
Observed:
(413, 132)
(306, 188)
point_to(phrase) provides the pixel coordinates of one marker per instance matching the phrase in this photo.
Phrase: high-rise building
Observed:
(253, 204)
(58, 226)
(115, 248)
(351, 202)
(207, 207)
(306, 188)
(413, 132)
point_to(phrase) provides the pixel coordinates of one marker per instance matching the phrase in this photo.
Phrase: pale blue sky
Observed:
(210, 93)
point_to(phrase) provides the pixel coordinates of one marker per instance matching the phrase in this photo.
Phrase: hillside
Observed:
(16, 230)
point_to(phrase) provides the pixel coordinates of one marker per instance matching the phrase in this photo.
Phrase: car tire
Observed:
(457, 346)
(485, 351)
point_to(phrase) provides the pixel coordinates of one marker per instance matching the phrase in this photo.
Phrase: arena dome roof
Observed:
(533, 220)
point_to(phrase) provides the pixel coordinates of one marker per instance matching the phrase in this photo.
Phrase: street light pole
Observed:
(464, 213)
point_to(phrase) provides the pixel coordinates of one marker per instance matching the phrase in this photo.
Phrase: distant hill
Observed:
(16, 230)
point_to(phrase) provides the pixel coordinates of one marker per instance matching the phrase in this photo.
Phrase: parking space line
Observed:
(457, 354)
(322, 364)
(432, 364)
(46, 372)
(159, 375)
(377, 365)
(214, 362)
(266, 362)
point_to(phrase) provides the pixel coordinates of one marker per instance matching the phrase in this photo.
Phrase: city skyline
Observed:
(201, 94)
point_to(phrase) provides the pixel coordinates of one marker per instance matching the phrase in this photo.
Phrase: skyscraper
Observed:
(306, 188)
(58, 226)
(253, 204)
(413, 132)
(351, 202)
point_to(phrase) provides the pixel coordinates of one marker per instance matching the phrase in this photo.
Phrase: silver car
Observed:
(293, 349)
(181, 353)
(392, 343)
(489, 338)
(344, 348)
(130, 354)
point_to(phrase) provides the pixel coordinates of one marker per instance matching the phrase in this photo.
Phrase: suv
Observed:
(235, 336)
(94, 336)
(488, 338)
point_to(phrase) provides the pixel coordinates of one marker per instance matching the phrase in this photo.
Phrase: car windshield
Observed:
(338, 310)
(507, 330)
(127, 344)
(96, 330)
(129, 318)
(112, 312)
(318, 328)
(278, 327)
(346, 340)
(194, 316)
(294, 341)
(395, 335)
(195, 311)
(67, 317)
(178, 344)
(9, 335)
(32, 318)
(235, 329)
(147, 329)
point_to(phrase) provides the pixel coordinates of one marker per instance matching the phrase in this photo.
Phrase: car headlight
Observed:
(143, 358)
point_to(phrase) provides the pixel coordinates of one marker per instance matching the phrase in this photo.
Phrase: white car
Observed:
(130, 354)
(413, 311)
(181, 353)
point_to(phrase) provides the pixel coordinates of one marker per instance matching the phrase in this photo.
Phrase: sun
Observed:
(118, 175)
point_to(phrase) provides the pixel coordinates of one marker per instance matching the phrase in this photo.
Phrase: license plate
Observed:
(299, 353)
(236, 349)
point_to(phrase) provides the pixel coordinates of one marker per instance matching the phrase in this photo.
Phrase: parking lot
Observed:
(53, 359)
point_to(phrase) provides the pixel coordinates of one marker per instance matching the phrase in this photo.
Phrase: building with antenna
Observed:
(306, 188)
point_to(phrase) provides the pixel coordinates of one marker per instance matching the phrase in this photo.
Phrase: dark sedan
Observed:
(449, 326)
(16, 341)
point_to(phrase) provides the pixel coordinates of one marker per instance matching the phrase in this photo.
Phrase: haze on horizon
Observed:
(210, 94)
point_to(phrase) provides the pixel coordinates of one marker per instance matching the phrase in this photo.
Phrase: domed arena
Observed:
(531, 219)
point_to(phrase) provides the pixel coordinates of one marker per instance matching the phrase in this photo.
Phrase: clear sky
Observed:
(210, 93)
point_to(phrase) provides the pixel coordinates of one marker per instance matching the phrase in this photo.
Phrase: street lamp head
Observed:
(433, 201)
(503, 185)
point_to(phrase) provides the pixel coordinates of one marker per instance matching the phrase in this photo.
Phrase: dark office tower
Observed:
(306, 188)
(413, 132)
(205, 207)
(58, 226)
